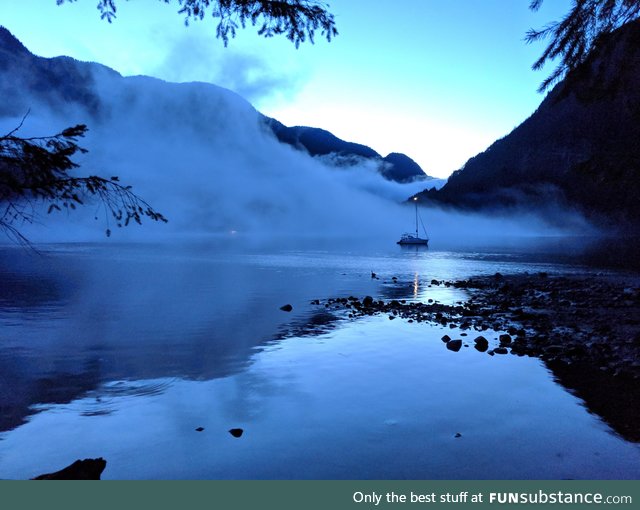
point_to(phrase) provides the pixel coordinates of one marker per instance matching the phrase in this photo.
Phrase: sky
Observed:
(435, 79)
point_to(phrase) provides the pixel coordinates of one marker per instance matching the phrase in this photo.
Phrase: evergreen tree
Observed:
(36, 170)
(297, 19)
(581, 30)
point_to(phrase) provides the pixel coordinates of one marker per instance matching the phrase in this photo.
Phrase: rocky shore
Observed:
(563, 319)
(586, 329)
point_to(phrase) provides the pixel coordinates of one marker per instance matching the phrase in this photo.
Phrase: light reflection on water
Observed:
(124, 353)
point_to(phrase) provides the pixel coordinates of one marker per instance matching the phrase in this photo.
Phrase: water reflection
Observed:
(122, 354)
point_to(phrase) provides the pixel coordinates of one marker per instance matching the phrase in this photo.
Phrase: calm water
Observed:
(123, 351)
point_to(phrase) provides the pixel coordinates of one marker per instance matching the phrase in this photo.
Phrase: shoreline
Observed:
(585, 328)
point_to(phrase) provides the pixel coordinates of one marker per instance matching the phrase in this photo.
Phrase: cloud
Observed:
(195, 57)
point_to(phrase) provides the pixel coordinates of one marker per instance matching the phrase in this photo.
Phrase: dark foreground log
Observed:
(87, 469)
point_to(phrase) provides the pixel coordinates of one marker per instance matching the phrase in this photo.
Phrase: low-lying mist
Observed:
(201, 156)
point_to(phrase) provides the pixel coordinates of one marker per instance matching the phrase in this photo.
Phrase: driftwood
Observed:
(87, 469)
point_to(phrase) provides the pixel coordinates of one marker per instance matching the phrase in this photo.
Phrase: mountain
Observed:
(64, 81)
(199, 154)
(318, 142)
(580, 149)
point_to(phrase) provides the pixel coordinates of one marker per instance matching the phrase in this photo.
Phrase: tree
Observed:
(580, 31)
(36, 170)
(297, 19)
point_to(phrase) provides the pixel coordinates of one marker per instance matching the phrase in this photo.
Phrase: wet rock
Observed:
(505, 339)
(367, 301)
(286, 308)
(87, 469)
(457, 435)
(199, 429)
(501, 350)
(454, 345)
(446, 338)
(236, 432)
(481, 343)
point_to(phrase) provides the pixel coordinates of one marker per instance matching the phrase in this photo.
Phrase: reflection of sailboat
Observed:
(415, 240)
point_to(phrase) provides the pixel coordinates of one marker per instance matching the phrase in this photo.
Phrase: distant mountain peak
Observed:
(320, 142)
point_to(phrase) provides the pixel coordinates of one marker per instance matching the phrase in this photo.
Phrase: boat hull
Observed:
(413, 241)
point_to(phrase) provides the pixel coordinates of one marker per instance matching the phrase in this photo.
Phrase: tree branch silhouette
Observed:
(298, 20)
(37, 170)
(580, 31)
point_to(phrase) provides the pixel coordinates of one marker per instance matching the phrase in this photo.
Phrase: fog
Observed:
(201, 156)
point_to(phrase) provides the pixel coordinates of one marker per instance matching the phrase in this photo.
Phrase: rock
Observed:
(457, 435)
(236, 432)
(286, 308)
(87, 469)
(199, 429)
(501, 350)
(454, 345)
(505, 339)
(482, 344)
(446, 338)
(367, 301)
(374, 276)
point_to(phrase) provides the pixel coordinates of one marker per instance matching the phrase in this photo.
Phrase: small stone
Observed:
(457, 435)
(367, 301)
(454, 345)
(236, 432)
(199, 429)
(482, 344)
(501, 350)
(446, 338)
(505, 339)
(286, 308)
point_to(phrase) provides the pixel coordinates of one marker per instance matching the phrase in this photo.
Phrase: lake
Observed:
(123, 351)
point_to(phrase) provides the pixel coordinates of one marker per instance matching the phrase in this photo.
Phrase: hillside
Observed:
(580, 148)
(60, 82)
(319, 142)
(199, 154)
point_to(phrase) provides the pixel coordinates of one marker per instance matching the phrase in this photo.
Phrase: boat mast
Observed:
(415, 199)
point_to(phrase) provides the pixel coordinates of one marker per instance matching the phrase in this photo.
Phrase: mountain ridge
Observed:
(66, 81)
(579, 149)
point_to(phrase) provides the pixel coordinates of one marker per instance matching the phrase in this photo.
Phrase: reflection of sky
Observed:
(122, 353)
(374, 399)
(438, 80)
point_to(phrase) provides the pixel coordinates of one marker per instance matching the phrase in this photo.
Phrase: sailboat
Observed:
(415, 240)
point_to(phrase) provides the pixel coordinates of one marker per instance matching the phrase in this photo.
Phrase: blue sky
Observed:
(436, 79)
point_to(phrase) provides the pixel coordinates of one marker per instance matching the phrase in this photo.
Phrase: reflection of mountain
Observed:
(615, 399)
(129, 316)
(579, 148)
